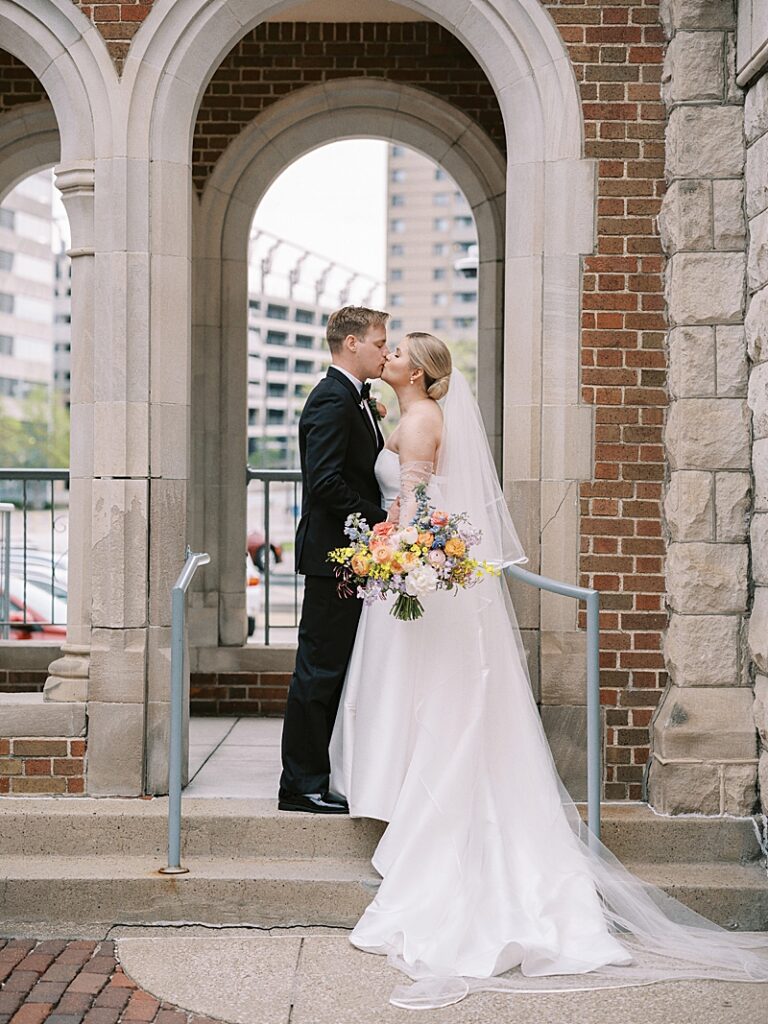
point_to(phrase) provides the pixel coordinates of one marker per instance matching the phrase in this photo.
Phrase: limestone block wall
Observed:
(756, 133)
(703, 737)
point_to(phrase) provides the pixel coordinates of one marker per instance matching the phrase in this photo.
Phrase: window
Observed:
(398, 174)
(438, 273)
(304, 366)
(305, 316)
(305, 341)
(275, 390)
(63, 318)
(441, 199)
(464, 322)
(465, 297)
(62, 346)
(6, 345)
(324, 319)
(397, 199)
(396, 274)
(275, 416)
(277, 363)
(463, 222)
(439, 324)
(277, 338)
(440, 174)
(300, 390)
(396, 299)
(253, 445)
(397, 226)
(440, 249)
(397, 250)
(462, 247)
(398, 151)
(275, 312)
(7, 219)
(440, 299)
(395, 325)
(440, 223)
(254, 304)
(6, 302)
(6, 260)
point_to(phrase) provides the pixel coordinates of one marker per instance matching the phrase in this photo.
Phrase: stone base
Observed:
(679, 787)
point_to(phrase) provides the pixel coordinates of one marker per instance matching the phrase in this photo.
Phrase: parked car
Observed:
(35, 614)
(256, 545)
(252, 593)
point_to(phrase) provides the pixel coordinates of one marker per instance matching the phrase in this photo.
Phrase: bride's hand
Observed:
(393, 515)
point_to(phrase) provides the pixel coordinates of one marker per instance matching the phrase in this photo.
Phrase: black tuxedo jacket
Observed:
(338, 446)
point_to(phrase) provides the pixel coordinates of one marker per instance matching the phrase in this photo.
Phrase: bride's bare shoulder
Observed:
(423, 416)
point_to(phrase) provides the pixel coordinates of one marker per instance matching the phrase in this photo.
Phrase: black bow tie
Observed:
(365, 392)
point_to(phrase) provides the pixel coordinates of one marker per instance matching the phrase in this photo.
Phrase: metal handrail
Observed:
(193, 560)
(592, 599)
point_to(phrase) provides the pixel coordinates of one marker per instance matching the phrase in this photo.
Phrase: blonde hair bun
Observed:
(432, 355)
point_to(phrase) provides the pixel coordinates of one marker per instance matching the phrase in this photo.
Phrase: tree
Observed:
(39, 437)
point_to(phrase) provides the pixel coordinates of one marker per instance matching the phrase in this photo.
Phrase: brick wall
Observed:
(118, 21)
(617, 52)
(15, 681)
(17, 83)
(239, 693)
(276, 58)
(42, 766)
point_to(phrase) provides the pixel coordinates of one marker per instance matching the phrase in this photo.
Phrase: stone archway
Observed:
(347, 108)
(549, 213)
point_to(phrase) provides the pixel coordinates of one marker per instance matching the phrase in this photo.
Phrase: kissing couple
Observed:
(489, 879)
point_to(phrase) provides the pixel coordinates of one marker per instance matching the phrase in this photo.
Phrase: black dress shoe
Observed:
(313, 803)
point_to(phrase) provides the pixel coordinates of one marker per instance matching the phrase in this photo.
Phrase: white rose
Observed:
(409, 535)
(421, 581)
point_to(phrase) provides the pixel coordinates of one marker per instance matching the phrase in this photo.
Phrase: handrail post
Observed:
(178, 595)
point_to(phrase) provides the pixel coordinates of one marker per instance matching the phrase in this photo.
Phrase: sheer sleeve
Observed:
(411, 475)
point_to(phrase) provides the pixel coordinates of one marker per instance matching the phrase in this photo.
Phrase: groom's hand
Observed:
(393, 515)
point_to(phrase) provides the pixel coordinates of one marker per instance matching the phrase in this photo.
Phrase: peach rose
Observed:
(439, 518)
(455, 548)
(361, 564)
(383, 529)
(382, 554)
(425, 539)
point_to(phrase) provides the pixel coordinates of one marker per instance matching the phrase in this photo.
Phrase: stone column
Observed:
(756, 130)
(703, 736)
(68, 678)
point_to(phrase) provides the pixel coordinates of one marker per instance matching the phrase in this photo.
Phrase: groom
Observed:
(339, 441)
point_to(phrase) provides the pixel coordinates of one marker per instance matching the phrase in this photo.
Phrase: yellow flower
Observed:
(361, 564)
(455, 547)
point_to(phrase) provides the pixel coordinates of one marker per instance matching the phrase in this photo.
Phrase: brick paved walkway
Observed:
(60, 982)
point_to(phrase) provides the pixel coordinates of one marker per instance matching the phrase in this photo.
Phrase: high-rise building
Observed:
(430, 231)
(26, 292)
(62, 319)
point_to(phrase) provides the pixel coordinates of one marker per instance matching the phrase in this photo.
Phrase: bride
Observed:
(489, 881)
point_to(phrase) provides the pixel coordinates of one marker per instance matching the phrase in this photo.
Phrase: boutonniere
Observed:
(378, 409)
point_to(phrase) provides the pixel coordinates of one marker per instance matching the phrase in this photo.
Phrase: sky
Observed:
(331, 201)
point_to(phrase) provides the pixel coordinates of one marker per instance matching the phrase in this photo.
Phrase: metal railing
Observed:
(269, 478)
(594, 742)
(178, 595)
(36, 580)
(5, 569)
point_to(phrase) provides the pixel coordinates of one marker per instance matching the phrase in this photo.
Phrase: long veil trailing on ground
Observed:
(490, 879)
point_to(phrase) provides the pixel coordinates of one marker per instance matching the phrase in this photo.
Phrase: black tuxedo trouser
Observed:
(326, 637)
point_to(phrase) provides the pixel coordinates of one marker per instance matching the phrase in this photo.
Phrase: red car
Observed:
(256, 549)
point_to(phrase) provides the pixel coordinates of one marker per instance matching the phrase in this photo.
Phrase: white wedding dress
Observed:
(489, 881)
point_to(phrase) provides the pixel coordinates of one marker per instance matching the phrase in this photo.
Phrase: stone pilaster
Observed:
(756, 183)
(703, 736)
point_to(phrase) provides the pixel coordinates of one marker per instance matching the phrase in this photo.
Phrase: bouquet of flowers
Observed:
(431, 553)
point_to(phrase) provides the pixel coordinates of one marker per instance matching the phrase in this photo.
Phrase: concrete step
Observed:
(272, 892)
(255, 828)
